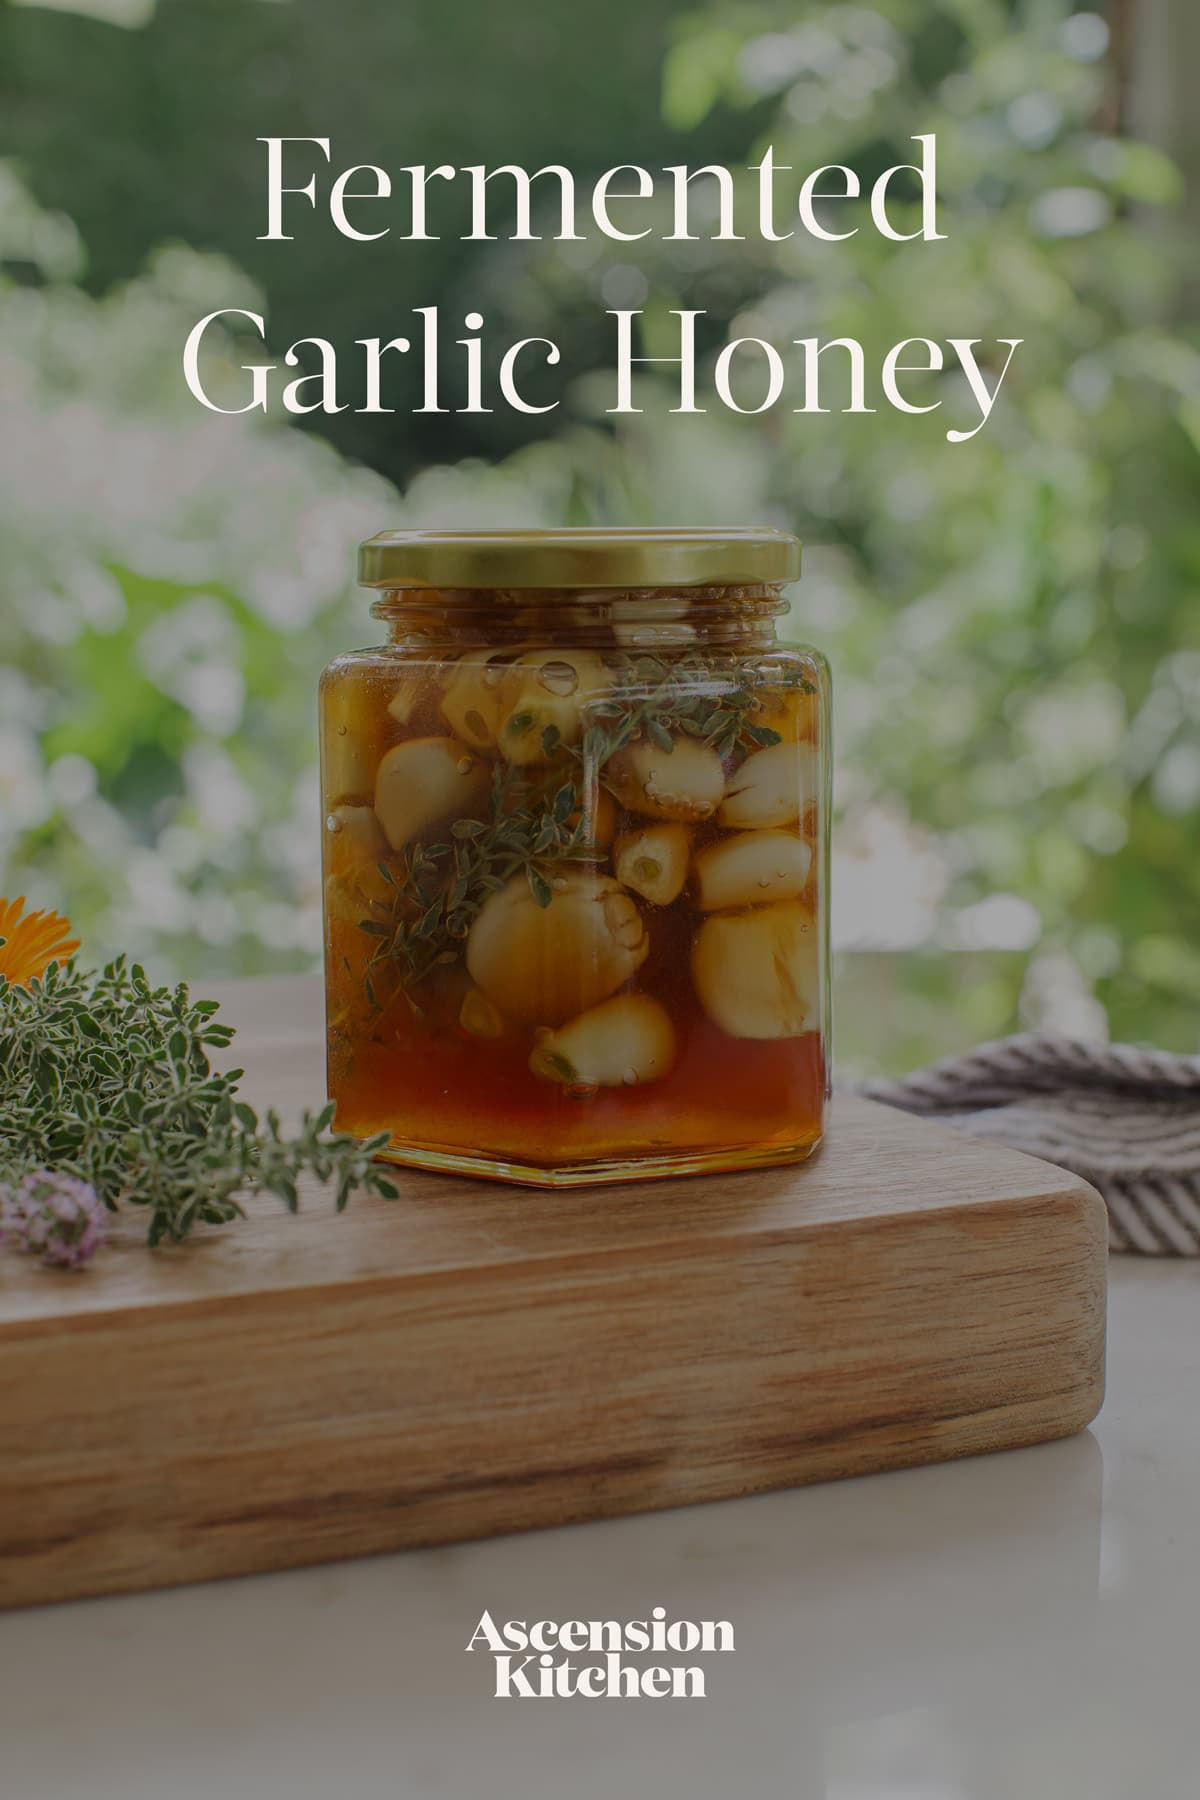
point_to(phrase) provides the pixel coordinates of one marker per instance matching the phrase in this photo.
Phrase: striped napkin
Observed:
(1126, 1119)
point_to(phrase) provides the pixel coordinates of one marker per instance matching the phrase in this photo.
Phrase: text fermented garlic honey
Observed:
(576, 827)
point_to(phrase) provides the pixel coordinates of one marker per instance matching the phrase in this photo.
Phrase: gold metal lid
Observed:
(589, 557)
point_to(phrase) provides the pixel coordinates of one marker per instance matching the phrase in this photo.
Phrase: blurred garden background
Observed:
(1014, 624)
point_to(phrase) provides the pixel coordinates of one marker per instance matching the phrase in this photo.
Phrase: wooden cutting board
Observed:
(474, 1359)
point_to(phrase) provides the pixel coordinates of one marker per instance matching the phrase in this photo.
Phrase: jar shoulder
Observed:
(682, 649)
(794, 651)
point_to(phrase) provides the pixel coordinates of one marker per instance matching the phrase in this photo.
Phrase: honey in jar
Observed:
(575, 856)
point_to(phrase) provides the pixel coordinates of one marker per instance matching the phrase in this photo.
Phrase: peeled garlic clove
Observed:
(480, 1016)
(596, 818)
(758, 973)
(355, 847)
(403, 702)
(425, 780)
(621, 1043)
(541, 965)
(750, 868)
(354, 732)
(476, 697)
(684, 783)
(551, 688)
(654, 861)
(772, 787)
(355, 837)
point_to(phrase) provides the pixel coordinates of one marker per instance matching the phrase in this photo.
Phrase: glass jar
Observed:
(576, 853)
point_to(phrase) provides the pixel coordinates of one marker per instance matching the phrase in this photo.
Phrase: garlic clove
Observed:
(684, 783)
(476, 697)
(770, 788)
(541, 965)
(654, 861)
(757, 973)
(597, 816)
(551, 689)
(424, 780)
(355, 836)
(354, 734)
(355, 848)
(403, 702)
(481, 1016)
(750, 868)
(624, 1042)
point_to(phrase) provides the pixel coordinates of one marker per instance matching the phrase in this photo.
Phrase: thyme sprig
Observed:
(109, 1079)
(701, 694)
(528, 829)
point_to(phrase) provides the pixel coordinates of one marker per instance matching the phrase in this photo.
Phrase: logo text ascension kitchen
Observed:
(538, 1661)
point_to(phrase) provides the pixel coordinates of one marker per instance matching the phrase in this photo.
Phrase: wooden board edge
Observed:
(595, 1509)
(1064, 1190)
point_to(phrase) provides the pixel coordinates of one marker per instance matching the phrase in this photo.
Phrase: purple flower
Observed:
(54, 1216)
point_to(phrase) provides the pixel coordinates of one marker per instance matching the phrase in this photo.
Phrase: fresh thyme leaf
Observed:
(431, 919)
(705, 695)
(528, 826)
(108, 1079)
(543, 893)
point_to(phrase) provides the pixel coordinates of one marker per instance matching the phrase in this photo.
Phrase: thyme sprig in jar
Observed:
(576, 846)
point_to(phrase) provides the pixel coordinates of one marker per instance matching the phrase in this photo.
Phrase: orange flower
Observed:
(30, 942)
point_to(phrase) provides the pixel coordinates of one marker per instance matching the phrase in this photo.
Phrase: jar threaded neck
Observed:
(629, 617)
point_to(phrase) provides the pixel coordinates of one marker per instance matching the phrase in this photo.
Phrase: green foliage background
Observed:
(1013, 623)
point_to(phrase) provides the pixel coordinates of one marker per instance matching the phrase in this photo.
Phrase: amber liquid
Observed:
(450, 1098)
(434, 1085)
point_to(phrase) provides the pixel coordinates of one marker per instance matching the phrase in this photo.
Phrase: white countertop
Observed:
(1016, 1627)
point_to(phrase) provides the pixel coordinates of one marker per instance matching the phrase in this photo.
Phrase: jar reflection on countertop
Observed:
(576, 851)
